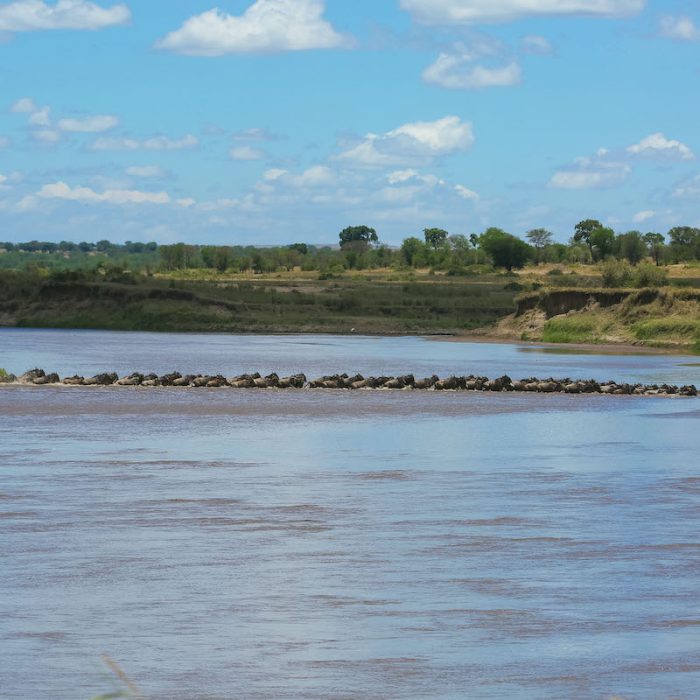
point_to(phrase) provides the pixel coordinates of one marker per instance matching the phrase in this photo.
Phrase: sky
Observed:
(276, 121)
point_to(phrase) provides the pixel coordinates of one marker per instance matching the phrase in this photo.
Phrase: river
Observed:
(223, 544)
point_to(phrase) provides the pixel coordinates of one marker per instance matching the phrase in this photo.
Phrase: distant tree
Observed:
(505, 249)
(435, 237)
(601, 242)
(357, 237)
(222, 258)
(412, 251)
(685, 242)
(584, 229)
(631, 246)
(539, 237)
(474, 240)
(300, 248)
(655, 245)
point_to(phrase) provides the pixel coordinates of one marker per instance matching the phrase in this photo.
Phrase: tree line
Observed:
(359, 247)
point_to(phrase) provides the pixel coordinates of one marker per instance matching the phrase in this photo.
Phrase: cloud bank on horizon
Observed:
(271, 121)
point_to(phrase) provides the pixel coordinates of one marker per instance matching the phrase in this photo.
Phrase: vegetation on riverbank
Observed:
(653, 317)
(579, 292)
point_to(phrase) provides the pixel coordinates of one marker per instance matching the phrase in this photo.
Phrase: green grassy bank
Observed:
(366, 304)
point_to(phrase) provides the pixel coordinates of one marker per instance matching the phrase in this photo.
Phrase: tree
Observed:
(435, 237)
(631, 246)
(412, 251)
(505, 249)
(474, 240)
(357, 237)
(655, 245)
(539, 237)
(601, 241)
(584, 229)
(685, 242)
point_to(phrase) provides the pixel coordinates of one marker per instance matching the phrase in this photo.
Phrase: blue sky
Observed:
(273, 121)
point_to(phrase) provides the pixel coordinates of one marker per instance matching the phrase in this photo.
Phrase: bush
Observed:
(647, 275)
(615, 273)
(555, 271)
(3, 372)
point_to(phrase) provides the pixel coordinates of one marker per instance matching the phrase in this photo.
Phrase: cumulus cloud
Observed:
(658, 146)
(266, 26)
(591, 173)
(90, 125)
(60, 190)
(533, 43)
(255, 134)
(246, 153)
(456, 72)
(33, 15)
(145, 171)
(46, 135)
(411, 143)
(679, 28)
(475, 11)
(156, 143)
(466, 193)
(40, 117)
(642, 216)
(25, 105)
(688, 189)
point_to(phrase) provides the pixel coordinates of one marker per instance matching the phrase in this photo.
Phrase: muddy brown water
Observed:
(222, 544)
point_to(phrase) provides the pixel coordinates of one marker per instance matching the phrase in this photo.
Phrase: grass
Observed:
(570, 329)
(368, 304)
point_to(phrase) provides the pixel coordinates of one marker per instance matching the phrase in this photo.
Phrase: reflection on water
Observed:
(245, 544)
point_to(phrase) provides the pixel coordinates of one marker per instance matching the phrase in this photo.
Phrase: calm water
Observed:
(241, 544)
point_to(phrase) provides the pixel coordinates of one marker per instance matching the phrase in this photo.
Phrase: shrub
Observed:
(555, 271)
(615, 273)
(3, 372)
(647, 275)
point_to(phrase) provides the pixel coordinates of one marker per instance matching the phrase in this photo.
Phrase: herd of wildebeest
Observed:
(38, 377)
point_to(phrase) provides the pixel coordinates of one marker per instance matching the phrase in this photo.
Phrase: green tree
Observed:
(435, 237)
(539, 237)
(413, 251)
(631, 246)
(505, 249)
(685, 242)
(655, 245)
(584, 229)
(602, 242)
(357, 237)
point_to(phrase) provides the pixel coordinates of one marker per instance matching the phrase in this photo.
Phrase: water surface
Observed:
(329, 544)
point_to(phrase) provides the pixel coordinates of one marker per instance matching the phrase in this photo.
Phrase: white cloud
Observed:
(658, 146)
(588, 179)
(474, 11)
(533, 43)
(32, 15)
(246, 153)
(60, 190)
(689, 189)
(25, 105)
(186, 202)
(590, 173)
(46, 135)
(455, 72)
(255, 134)
(315, 176)
(642, 216)
(90, 125)
(274, 174)
(156, 143)
(679, 28)
(40, 117)
(266, 26)
(466, 193)
(410, 143)
(145, 171)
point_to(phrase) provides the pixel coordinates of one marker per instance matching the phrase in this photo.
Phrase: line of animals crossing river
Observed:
(407, 382)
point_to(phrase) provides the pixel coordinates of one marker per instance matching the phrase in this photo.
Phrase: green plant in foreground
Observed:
(3, 372)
